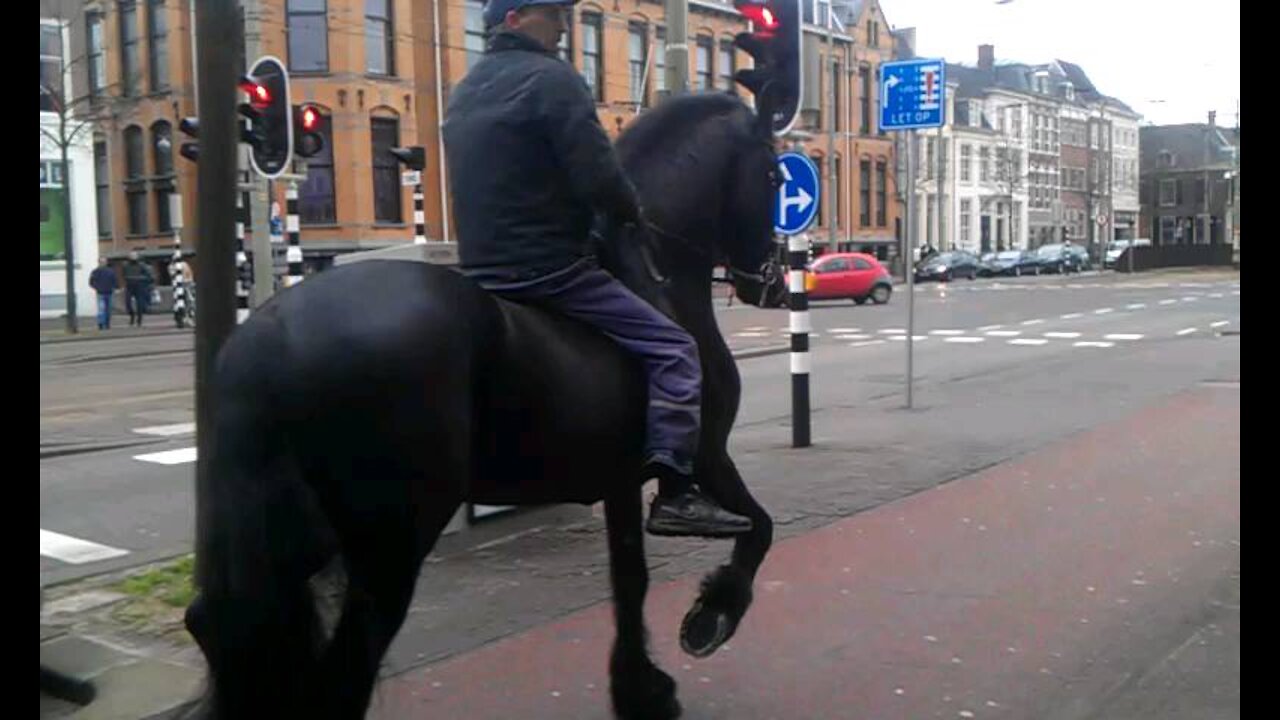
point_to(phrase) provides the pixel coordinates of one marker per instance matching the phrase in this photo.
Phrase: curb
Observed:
(60, 338)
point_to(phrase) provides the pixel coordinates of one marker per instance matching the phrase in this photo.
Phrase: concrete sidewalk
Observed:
(1068, 583)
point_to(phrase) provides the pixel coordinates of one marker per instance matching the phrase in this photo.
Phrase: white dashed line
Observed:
(893, 331)
(946, 332)
(1170, 301)
(989, 327)
(751, 334)
(1071, 316)
(1037, 321)
(852, 336)
(1027, 341)
(845, 330)
(1102, 311)
(965, 339)
(1220, 323)
(1093, 343)
(1062, 335)
(74, 550)
(1124, 336)
(1216, 295)
(169, 457)
(1004, 333)
(864, 344)
(1135, 306)
(914, 338)
(1186, 331)
(1190, 298)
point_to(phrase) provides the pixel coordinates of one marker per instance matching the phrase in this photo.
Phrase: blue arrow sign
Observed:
(797, 194)
(913, 94)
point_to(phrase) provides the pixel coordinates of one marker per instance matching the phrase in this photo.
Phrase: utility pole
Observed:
(259, 194)
(677, 46)
(834, 212)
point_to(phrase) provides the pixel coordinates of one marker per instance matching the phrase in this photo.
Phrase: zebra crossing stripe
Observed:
(180, 456)
(73, 550)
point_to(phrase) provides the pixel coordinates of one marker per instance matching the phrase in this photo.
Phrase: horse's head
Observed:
(707, 175)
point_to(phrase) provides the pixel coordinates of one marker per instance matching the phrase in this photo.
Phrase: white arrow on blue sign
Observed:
(798, 193)
(913, 94)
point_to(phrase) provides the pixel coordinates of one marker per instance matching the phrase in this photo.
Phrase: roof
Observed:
(1188, 144)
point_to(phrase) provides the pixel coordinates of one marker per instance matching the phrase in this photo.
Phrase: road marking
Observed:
(74, 550)
(1074, 286)
(1220, 323)
(757, 328)
(1102, 311)
(852, 336)
(1135, 306)
(914, 338)
(844, 330)
(965, 339)
(1123, 336)
(989, 327)
(946, 332)
(167, 430)
(1216, 295)
(1170, 301)
(1062, 335)
(1235, 292)
(1004, 333)
(893, 331)
(1027, 341)
(1186, 331)
(864, 344)
(1071, 316)
(1032, 322)
(169, 457)
(1094, 343)
(751, 334)
(1190, 298)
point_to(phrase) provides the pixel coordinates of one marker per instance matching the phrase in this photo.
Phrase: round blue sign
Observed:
(797, 202)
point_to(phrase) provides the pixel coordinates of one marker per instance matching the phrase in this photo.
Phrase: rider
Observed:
(529, 165)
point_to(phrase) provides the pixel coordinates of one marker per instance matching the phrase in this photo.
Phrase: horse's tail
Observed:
(255, 616)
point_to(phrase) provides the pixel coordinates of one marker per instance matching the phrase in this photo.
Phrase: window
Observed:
(819, 162)
(565, 48)
(873, 34)
(726, 65)
(316, 205)
(860, 264)
(864, 192)
(966, 221)
(50, 67)
(97, 63)
(386, 176)
(592, 67)
(660, 59)
(637, 54)
(1168, 230)
(473, 32)
(881, 205)
(864, 77)
(102, 182)
(704, 64)
(1168, 192)
(158, 45)
(984, 164)
(129, 48)
(966, 157)
(135, 187)
(1166, 159)
(308, 31)
(162, 148)
(379, 38)
(1015, 121)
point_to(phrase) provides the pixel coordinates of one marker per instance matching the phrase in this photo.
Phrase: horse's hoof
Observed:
(653, 699)
(704, 630)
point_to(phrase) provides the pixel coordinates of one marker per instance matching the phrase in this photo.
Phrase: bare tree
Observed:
(78, 111)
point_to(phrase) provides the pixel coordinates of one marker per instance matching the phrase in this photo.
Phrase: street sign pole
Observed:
(909, 228)
(794, 208)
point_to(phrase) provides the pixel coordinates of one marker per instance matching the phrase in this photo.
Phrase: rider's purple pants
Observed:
(585, 292)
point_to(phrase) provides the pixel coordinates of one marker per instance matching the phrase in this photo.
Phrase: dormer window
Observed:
(1068, 91)
(1166, 159)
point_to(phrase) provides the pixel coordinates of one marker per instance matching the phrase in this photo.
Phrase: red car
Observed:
(849, 275)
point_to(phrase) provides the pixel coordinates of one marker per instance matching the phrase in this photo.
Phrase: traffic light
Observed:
(308, 130)
(774, 44)
(414, 158)
(270, 126)
(191, 128)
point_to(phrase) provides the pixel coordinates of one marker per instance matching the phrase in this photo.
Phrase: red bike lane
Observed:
(1040, 584)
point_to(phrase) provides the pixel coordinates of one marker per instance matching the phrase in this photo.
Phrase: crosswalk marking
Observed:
(1004, 333)
(1027, 341)
(965, 340)
(1220, 323)
(1062, 335)
(167, 430)
(1186, 331)
(169, 457)
(74, 550)
(946, 332)
(1071, 316)
(1123, 336)
(1094, 343)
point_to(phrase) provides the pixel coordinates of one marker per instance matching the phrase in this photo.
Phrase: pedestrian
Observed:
(103, 280)
(530, 164)
(138, 281)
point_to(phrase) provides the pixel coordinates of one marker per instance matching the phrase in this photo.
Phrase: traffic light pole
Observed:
(677, 12)
(216, 172)
(909, 229)
(260, 197)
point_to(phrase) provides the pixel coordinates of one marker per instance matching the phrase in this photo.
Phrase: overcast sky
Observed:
(1185, 54)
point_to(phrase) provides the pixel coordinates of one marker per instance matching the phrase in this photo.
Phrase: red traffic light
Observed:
(259, 95)
(760, 15)
(310, 118)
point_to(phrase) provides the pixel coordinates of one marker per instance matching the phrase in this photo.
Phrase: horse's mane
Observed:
(678, 129)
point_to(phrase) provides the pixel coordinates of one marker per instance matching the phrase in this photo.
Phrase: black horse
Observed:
(358, 410)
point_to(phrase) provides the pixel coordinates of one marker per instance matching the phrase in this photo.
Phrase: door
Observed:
(985, 224)
(829, 276)
(861, 277)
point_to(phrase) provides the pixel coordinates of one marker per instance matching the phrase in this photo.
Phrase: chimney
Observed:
(1213, 116)
(986, 57)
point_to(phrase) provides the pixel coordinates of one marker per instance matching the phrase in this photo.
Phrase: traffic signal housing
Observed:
(414, 158)
(774, 43)
(191, 128)
(308, 130)
(270, 118)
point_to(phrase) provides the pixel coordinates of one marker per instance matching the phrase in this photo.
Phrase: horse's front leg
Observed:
(638, 688)
(726, 591)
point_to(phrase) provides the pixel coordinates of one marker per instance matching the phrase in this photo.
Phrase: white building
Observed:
(1125, 170)
(55, 180)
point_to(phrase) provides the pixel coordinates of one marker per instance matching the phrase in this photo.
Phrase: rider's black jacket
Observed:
(529, 163)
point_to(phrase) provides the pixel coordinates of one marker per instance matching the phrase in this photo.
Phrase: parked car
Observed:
(948, 265)
(857, 276)
(1009, 262)
(1062, 258)
(1117, 248)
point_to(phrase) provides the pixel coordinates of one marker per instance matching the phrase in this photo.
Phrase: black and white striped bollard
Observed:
(798, 246)
(244, 269)
(419, 217)
(293, 254)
